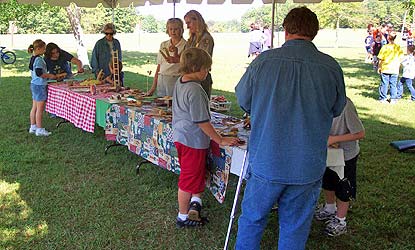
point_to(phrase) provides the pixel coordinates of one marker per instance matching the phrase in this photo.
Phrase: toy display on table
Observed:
(116, 69)
(134, 103)
(161, 113)
(220, 103)
(163, 101)
(90, 82)
(147, 131)
(247, 122)
(126, 96)
(79, 77)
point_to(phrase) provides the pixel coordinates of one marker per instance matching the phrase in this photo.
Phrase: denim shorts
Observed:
(39, 92)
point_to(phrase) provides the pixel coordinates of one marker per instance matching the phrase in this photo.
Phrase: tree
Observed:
(149, 24)
(93, 19)
(260, 15)
(224, 26)
(44, 18)
(263, 15)
(336, 15)
(125, 18)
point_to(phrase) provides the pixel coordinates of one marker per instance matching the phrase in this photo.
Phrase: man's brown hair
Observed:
(301, 21)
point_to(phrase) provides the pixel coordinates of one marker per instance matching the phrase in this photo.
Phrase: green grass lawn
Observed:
(62, 192)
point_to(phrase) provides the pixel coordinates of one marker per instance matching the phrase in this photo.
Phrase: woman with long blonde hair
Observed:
(199, 37)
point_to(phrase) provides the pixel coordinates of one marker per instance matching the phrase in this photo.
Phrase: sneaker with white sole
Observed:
(188, 223)
(42, 132)
(335, 227)
(195, 210)
(321, 214)
(32, 130)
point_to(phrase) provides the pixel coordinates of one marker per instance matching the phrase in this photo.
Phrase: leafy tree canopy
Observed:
(53, 19)
(331, 15)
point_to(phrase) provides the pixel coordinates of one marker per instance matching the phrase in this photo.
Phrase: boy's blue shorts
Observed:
(39, 92)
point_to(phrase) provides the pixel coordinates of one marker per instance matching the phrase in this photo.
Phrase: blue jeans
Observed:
(385, 81)
(408, 83)
(296, 204)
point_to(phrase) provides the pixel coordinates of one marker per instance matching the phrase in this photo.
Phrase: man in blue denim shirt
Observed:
(292, 94)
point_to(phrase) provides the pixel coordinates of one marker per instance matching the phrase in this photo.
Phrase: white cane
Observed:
(235, 200)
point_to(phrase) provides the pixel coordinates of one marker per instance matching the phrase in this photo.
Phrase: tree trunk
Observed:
(74, 16)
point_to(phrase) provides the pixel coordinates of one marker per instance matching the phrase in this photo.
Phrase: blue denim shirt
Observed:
(292, 94)
(101, 56)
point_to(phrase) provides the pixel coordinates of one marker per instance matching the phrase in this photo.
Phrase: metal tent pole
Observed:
(112, 6)
(272, 24)
(174, 8)
(235, 200)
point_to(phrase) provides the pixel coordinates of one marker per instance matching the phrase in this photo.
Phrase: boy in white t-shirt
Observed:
(345, 133)
(408, 73)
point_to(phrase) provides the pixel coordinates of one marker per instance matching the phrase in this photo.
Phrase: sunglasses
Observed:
(109, 34)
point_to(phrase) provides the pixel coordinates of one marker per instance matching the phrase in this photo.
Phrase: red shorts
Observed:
(192, 168)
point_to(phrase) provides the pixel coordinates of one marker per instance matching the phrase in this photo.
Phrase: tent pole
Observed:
(174, 8)
(112, 6)
(272, 24)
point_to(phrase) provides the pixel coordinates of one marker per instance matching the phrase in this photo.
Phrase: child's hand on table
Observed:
(230, 141)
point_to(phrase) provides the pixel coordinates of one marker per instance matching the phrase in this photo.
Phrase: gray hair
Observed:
(109, 26)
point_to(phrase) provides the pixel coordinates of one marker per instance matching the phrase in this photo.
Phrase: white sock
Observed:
(182, 217)
(197, 199)
(342, 220)
(331, 208)
(33, 126)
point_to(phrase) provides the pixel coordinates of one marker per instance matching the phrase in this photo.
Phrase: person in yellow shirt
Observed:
(390, 57)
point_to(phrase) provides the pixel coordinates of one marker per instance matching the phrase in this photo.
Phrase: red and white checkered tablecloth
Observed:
(77, 108)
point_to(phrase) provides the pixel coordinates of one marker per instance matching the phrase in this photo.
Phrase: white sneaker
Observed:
(321, 214)
(32, 130)
(42, 132)
(335, 227)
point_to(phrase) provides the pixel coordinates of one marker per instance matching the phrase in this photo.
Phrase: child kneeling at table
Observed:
(346, 131)
(192, 133)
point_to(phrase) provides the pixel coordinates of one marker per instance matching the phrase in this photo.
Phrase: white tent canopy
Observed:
(126, 3)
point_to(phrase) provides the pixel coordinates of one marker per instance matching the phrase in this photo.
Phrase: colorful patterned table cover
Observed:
(80, 109)
(152, 138)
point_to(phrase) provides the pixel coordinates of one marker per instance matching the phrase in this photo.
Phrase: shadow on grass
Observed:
(384, 179)
(356, 69)
(15, 217)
